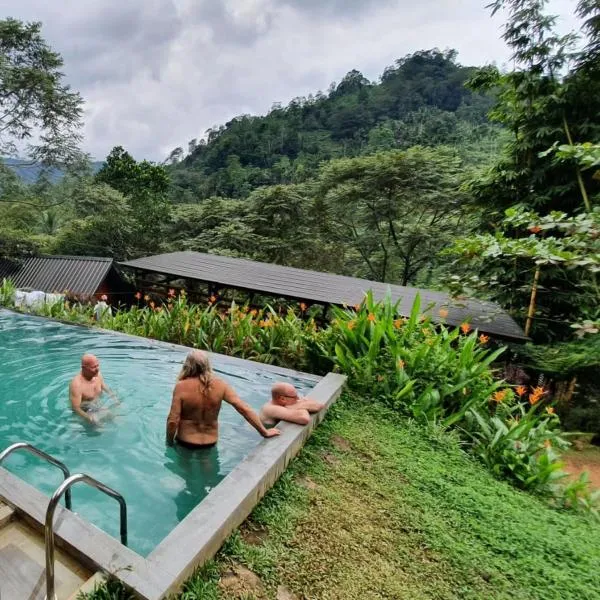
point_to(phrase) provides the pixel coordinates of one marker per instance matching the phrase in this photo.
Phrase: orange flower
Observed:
(535, 396)
(443, 313)
(483, 339)
(302, 306)
(521, 390)
(499, 395)
(171, 293)
(351, 325)
(535, 229)
(550, 410)
(371, 317)
(253, 312)
(398, 323)
(138, 295)
(212, 299)
(465, 328)
(357, 307)
(401, 363)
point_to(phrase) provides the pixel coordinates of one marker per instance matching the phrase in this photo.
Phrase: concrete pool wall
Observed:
(197, 537)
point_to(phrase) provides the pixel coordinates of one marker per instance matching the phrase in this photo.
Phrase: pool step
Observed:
(22, 565)
(6, 514)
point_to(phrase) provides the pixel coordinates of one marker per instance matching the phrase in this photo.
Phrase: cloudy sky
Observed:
(157, 73)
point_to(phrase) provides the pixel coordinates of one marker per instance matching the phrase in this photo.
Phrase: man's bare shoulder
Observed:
(75, 382)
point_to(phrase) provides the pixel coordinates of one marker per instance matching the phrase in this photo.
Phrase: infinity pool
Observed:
(161, 484)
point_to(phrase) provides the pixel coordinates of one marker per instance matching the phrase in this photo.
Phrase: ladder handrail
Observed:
(49, 524)
(54, 461)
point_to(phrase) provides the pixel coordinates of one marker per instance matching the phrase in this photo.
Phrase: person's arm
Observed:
(174, 417)
(312, 406)
(292, 414)
(106, 389)
(246, 411)
(75, 398)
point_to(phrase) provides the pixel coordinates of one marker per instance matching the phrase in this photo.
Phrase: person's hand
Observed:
(272, 432)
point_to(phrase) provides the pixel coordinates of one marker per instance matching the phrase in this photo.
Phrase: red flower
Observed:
(138, 295)
(465, 328)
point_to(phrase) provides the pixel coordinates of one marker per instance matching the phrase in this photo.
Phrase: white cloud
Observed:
(156, 73)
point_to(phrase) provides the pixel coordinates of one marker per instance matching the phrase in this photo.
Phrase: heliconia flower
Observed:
(104, 297)
(138, 295)
(253, 312)
(521, 390)
(465, 328)
(483, 339)
(535, 396)
(443, 313)
(371, 317)
(302, 306)
(146, 298)
(535, 229)
(499, 395)
(357, 307)
(550, 410)
(171, 293)
(398, 323)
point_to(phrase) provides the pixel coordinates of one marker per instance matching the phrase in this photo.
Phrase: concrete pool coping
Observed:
(197, 537)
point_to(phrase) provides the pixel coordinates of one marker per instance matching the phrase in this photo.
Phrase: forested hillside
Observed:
(420, 100)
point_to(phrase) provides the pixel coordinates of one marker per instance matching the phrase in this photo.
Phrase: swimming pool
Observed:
(160, 484)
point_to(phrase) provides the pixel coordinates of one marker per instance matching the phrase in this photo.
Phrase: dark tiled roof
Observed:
(78, 274)
(314, 286)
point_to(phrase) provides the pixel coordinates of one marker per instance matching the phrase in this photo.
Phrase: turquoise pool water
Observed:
(161, 484)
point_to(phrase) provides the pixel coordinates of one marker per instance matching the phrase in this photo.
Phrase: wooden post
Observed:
(531, 311)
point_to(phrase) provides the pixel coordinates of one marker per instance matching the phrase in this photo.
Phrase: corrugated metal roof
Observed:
(314, 286)
(78, 274)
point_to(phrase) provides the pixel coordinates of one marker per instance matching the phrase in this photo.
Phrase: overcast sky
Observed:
(157, 73)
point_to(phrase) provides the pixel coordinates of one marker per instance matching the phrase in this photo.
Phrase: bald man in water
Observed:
(86, 388)
(287, 405)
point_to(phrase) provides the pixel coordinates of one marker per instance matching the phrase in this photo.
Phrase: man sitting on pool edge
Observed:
(86, 388)
(287, 405)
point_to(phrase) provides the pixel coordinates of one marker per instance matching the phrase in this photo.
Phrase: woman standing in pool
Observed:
(194, 417)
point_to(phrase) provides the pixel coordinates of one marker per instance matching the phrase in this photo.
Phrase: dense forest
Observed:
(469, 179)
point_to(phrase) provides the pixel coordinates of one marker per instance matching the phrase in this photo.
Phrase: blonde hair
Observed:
(196, 365)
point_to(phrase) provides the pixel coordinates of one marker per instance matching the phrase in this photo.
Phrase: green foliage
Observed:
(397, 209)
(7, 293)
(33, 97)
(112, 589)
(144, 186)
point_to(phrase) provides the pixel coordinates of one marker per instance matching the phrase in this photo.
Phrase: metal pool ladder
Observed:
(65, 488)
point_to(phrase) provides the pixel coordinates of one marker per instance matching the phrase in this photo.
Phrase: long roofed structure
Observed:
(322, 288)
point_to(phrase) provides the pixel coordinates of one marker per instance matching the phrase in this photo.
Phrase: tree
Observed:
(397, 209)
(103, 225)
(34, 101)
(145, 187)
(550, 103)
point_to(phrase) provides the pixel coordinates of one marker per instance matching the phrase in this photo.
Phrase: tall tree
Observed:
(34, 100)
(397, 209)
(145, 187)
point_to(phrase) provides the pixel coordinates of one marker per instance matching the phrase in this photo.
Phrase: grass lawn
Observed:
(376, 507)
